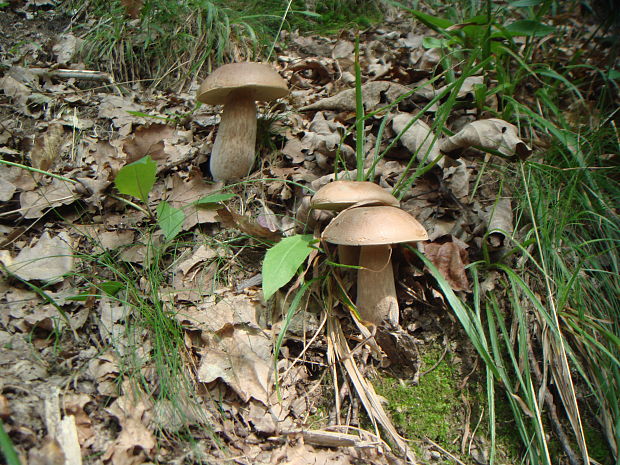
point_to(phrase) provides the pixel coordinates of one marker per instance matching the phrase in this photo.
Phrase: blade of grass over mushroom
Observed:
(359, 114)
(283, 260)
(7, 448)
(137, 178)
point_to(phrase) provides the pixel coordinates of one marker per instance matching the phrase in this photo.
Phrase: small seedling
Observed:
(138, 178)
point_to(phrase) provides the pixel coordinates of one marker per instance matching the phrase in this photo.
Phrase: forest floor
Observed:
(124, 343)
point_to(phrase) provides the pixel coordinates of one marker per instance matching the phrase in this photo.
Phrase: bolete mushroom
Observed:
(237, 86)
(375, 229)
(339, 195)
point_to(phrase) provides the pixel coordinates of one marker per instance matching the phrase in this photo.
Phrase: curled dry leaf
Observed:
(418, 138)
(456, 178)
(375, 94)
(450, 259)
(499, 221)
(48, 260)
(491, 133)
(247, 225)
(324, 137)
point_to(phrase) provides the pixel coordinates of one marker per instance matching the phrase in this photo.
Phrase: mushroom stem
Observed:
(376, 291)
(233, 151)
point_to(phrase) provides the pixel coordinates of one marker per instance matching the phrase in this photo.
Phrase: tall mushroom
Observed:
(338, 195)
(237, 86)
(375, 229)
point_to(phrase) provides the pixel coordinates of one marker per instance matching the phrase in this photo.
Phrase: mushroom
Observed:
(375, 229)
(237, 86)
(338, 195)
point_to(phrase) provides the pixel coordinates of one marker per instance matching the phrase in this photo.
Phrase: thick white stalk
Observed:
(233, 151)
(376, 291)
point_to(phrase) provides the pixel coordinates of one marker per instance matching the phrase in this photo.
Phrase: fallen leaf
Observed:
(46, 147)
(65, 48)
(211, 317)
(184, 193)
(450, 259)
(49, 259)
(499, 221)
(147, 140)
(242, 359)
(456, 179)
(135, 441)
(375, 94)
(491, 133)
(132, 7)
(247, 225)
(35, 203)
(418, 138)
(118, 110)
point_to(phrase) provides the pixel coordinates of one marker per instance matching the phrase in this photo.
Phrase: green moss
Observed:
(430, 409)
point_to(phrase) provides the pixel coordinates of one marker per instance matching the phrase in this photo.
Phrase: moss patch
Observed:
(430, 409)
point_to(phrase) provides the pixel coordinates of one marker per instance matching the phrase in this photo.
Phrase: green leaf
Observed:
(282, 261)
(137, 178)
(433, 22)
(170, 219)
(530, 28)
(214, 198)
(613, 74)
(109, 287)
(525, 3)
(434, 42)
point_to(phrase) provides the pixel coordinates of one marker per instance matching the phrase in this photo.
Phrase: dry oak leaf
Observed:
(47, 146)
(166, 145)
(242, 358)
(450, 259)
(48, 260)
(375, 94)
(183, 194)
(491, 133)
(211, 317)
(247, 225)
(35, 203)
(135, 441)
(418, 138)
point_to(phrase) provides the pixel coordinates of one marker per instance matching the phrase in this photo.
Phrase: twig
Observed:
(81, 74)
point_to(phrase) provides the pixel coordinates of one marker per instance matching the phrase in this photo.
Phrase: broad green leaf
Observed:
(433, 22)
(530, 28)
(613, 74)
(525, 3)
(282, 261)
(170, 219)
(434, 42)
(214, 198)
(137, 178)
(108, 287)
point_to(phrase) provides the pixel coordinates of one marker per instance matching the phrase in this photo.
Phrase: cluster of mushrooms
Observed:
(369, 221)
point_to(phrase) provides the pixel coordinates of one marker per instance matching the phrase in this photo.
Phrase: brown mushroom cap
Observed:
(338, 195)
(374, 226)
(258, 79)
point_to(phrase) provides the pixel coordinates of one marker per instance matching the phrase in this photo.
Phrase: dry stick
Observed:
(553, 413)
(81, 74)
